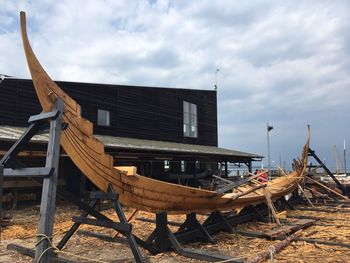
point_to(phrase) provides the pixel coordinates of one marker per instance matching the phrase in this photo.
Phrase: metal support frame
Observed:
(313, 154)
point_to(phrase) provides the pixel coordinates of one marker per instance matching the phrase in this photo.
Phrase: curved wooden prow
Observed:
(40, 77)
(300, 165)
(77, 140)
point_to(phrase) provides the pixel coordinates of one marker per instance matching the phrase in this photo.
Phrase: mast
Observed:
(344, 158)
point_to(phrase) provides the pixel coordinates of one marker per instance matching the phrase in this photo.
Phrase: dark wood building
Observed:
(133, 111)
(168, 133)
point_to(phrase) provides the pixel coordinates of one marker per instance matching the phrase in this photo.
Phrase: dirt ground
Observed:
(82, 248)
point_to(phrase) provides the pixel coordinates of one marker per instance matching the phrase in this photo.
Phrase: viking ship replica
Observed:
(135, 190)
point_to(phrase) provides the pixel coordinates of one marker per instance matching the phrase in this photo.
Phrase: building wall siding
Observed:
(137, 112)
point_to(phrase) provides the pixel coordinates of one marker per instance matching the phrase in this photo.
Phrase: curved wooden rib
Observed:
(138, 191)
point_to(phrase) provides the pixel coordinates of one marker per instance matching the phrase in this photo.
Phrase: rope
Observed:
(272, 251)
(54, 248)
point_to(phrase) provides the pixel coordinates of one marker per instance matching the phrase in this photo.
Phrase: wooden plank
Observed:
(319, 218)
(329, 189)
(232, 185)
(29, 172)
(277, 247)
(121, 227)
(1, 191)
(305, 195)
(23, 140)
(74, 227)
(27, 153)
(287, 229)
(271, 206)
(334, 210)
(44, 116)
(128, 170)
(30, 252)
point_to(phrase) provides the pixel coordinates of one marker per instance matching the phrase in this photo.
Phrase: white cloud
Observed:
(283, 62)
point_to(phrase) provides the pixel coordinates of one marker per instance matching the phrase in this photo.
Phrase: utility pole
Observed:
(268, 129)
(344, 158)
(216, 79)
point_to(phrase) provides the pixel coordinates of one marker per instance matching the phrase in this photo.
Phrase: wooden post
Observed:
(270, 205)
(302, 190)
(48, 200)
(161, 231)
(1, 191)
(195, 180)
(262, 256)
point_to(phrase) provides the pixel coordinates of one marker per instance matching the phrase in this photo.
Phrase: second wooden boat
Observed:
(135, 190)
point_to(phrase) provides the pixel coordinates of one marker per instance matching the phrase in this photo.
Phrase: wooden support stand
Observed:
(10, 167)
(340, 186)
(101, 220)
(48, 174)
(191, 223)
(1, 193)
(218, 218)
(162, 239)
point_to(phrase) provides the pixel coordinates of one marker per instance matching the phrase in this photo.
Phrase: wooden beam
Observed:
(121, 227)
(30, 252)
(302, 190)
(253, 189)
(276, 247)
(1, 191)
(317, 209)
(130, 217)
(319, 218)
(232, 185)
(271, 206)
(27, 153)
(44, 116)
(329, 189)
(48, 197)
(129, 170)
(29, 172)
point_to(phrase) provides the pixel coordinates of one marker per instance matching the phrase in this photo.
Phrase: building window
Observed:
(190, 120)
(103, 117)
(183, 166)
(167, 166)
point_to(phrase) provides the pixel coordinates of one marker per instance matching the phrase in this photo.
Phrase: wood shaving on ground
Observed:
(23, 230)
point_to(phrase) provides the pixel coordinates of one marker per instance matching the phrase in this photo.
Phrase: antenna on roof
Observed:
(2, 77)
(216, 79)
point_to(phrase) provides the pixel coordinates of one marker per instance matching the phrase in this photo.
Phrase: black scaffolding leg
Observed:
(192, 223)
(217, 217)
(162, 239)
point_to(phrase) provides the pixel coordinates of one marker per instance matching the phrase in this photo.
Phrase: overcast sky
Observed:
(282, 62)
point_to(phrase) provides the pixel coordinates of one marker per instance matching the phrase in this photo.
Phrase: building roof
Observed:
(124, 144)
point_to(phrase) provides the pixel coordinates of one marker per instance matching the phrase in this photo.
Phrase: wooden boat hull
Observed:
(135, 191)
